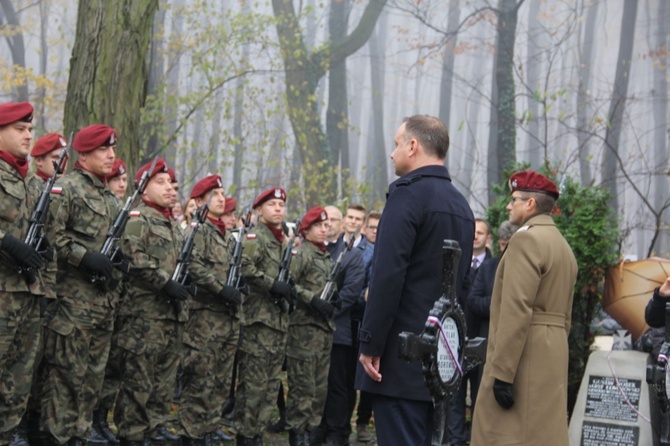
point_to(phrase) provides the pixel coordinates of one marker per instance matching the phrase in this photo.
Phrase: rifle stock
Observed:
(235, 271)
(284, 269)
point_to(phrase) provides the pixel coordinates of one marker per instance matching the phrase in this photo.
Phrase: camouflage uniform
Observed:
(19, 309)
(150, 329)
(210, 337)
(78, 335)
(309, 342)
(263, 335)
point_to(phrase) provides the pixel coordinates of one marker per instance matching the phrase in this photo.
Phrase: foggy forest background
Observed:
(307, 94)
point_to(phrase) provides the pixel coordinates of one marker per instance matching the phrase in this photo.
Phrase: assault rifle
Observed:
(181, 274)
(111, 248)
(284, 269)
(35, 237)
(235, 272)
(331, 284)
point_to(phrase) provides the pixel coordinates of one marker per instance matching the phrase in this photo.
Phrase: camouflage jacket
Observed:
(152, 243)
(309, 270)
(17, 201)
(82, 211)
(36, 186)
(260, 266)
(210, 265)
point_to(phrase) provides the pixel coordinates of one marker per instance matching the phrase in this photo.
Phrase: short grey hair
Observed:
(507, 230)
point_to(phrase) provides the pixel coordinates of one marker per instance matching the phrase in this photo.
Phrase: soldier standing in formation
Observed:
(20, 317)
(265, 324)
(117, 180)
(82, 213)
(310, 332)
(212, 331)
(153, 314)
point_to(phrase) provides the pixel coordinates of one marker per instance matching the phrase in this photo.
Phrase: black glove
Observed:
(322, 307)
(230, 295)
(503, 393)
(175, 291)
(282, 289)
(98, 263)
(20, 251)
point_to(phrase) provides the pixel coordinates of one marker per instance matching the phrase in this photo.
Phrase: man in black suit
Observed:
(423, 208)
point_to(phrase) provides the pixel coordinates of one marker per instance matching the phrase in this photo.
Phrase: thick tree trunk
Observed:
(108, 70)
(44, 58)
(16, 46)
(583, 103)
(446, 85)
(534, 59)
(502, 139)
(610, 158)
(378, 159)
(151, 130)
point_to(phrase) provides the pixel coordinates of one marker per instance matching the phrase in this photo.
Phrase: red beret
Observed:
(314, 215)
(118, 169)
(11, 112)
(270, 194)
(93, 137)
(231, 205)
(205, 185)
(530, 181)
(161, 167)
(173, 174)
(48, 143)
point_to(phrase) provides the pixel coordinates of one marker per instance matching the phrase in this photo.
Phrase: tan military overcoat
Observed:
(528, 340)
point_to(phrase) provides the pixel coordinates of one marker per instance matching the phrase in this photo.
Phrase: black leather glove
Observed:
(175, 291)
(20, 251)
(230, 295)
(503, 393)
(282, 289)
(335, 300)
(98, 263)
(322, 307)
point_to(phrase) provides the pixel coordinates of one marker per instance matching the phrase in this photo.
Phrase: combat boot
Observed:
(222, 435)
(125, 442)
(100, 423)
(20, 436)
(96, 437)
(163, 435)
(76, 441)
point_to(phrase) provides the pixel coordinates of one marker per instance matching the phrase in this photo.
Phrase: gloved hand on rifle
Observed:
(322, 307)
(175, 291)
(335, 300)
(282, 289)
(503, 393)
(21, 252)
(230, 295)
(95, 262)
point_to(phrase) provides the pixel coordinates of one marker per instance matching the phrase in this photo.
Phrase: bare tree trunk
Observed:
(173, 73)
(583, 103)
(502, 139)
(15, 41)
(44, 58)
(446, 85)
(337, 117)
(377, 166)
(618, 103)
(108, 70)
(156, 73)
(534, 59)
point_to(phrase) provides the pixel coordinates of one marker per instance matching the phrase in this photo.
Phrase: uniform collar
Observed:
(543, 219)
(95, 179)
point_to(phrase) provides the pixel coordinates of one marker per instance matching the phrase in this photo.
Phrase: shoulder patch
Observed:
(56, 190)
(251, 236)
(134, 213)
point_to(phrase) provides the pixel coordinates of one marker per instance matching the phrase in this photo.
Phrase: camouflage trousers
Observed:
(75, 353)
(262, 351)
(148, 378)
(307, 365)
(113, 370)
(39, 369)
(210, 343)
(19, 341)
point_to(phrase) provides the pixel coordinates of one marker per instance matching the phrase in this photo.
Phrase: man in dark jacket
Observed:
(423, 209)
(654, 314)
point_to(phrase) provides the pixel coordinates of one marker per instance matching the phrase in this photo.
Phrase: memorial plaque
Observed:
(603, 434)
(604, 400)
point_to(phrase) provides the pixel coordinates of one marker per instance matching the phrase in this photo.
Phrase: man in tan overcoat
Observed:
(523, 395)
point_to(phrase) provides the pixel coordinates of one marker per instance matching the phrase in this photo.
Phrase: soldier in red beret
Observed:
(526, 373)
(265, 325)
(83, 211)
(175, 187)
(20, 316)
(212, 332)
(45, 154)
(229, 216)
(150, 327)
(310, 331)
(117, 180)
